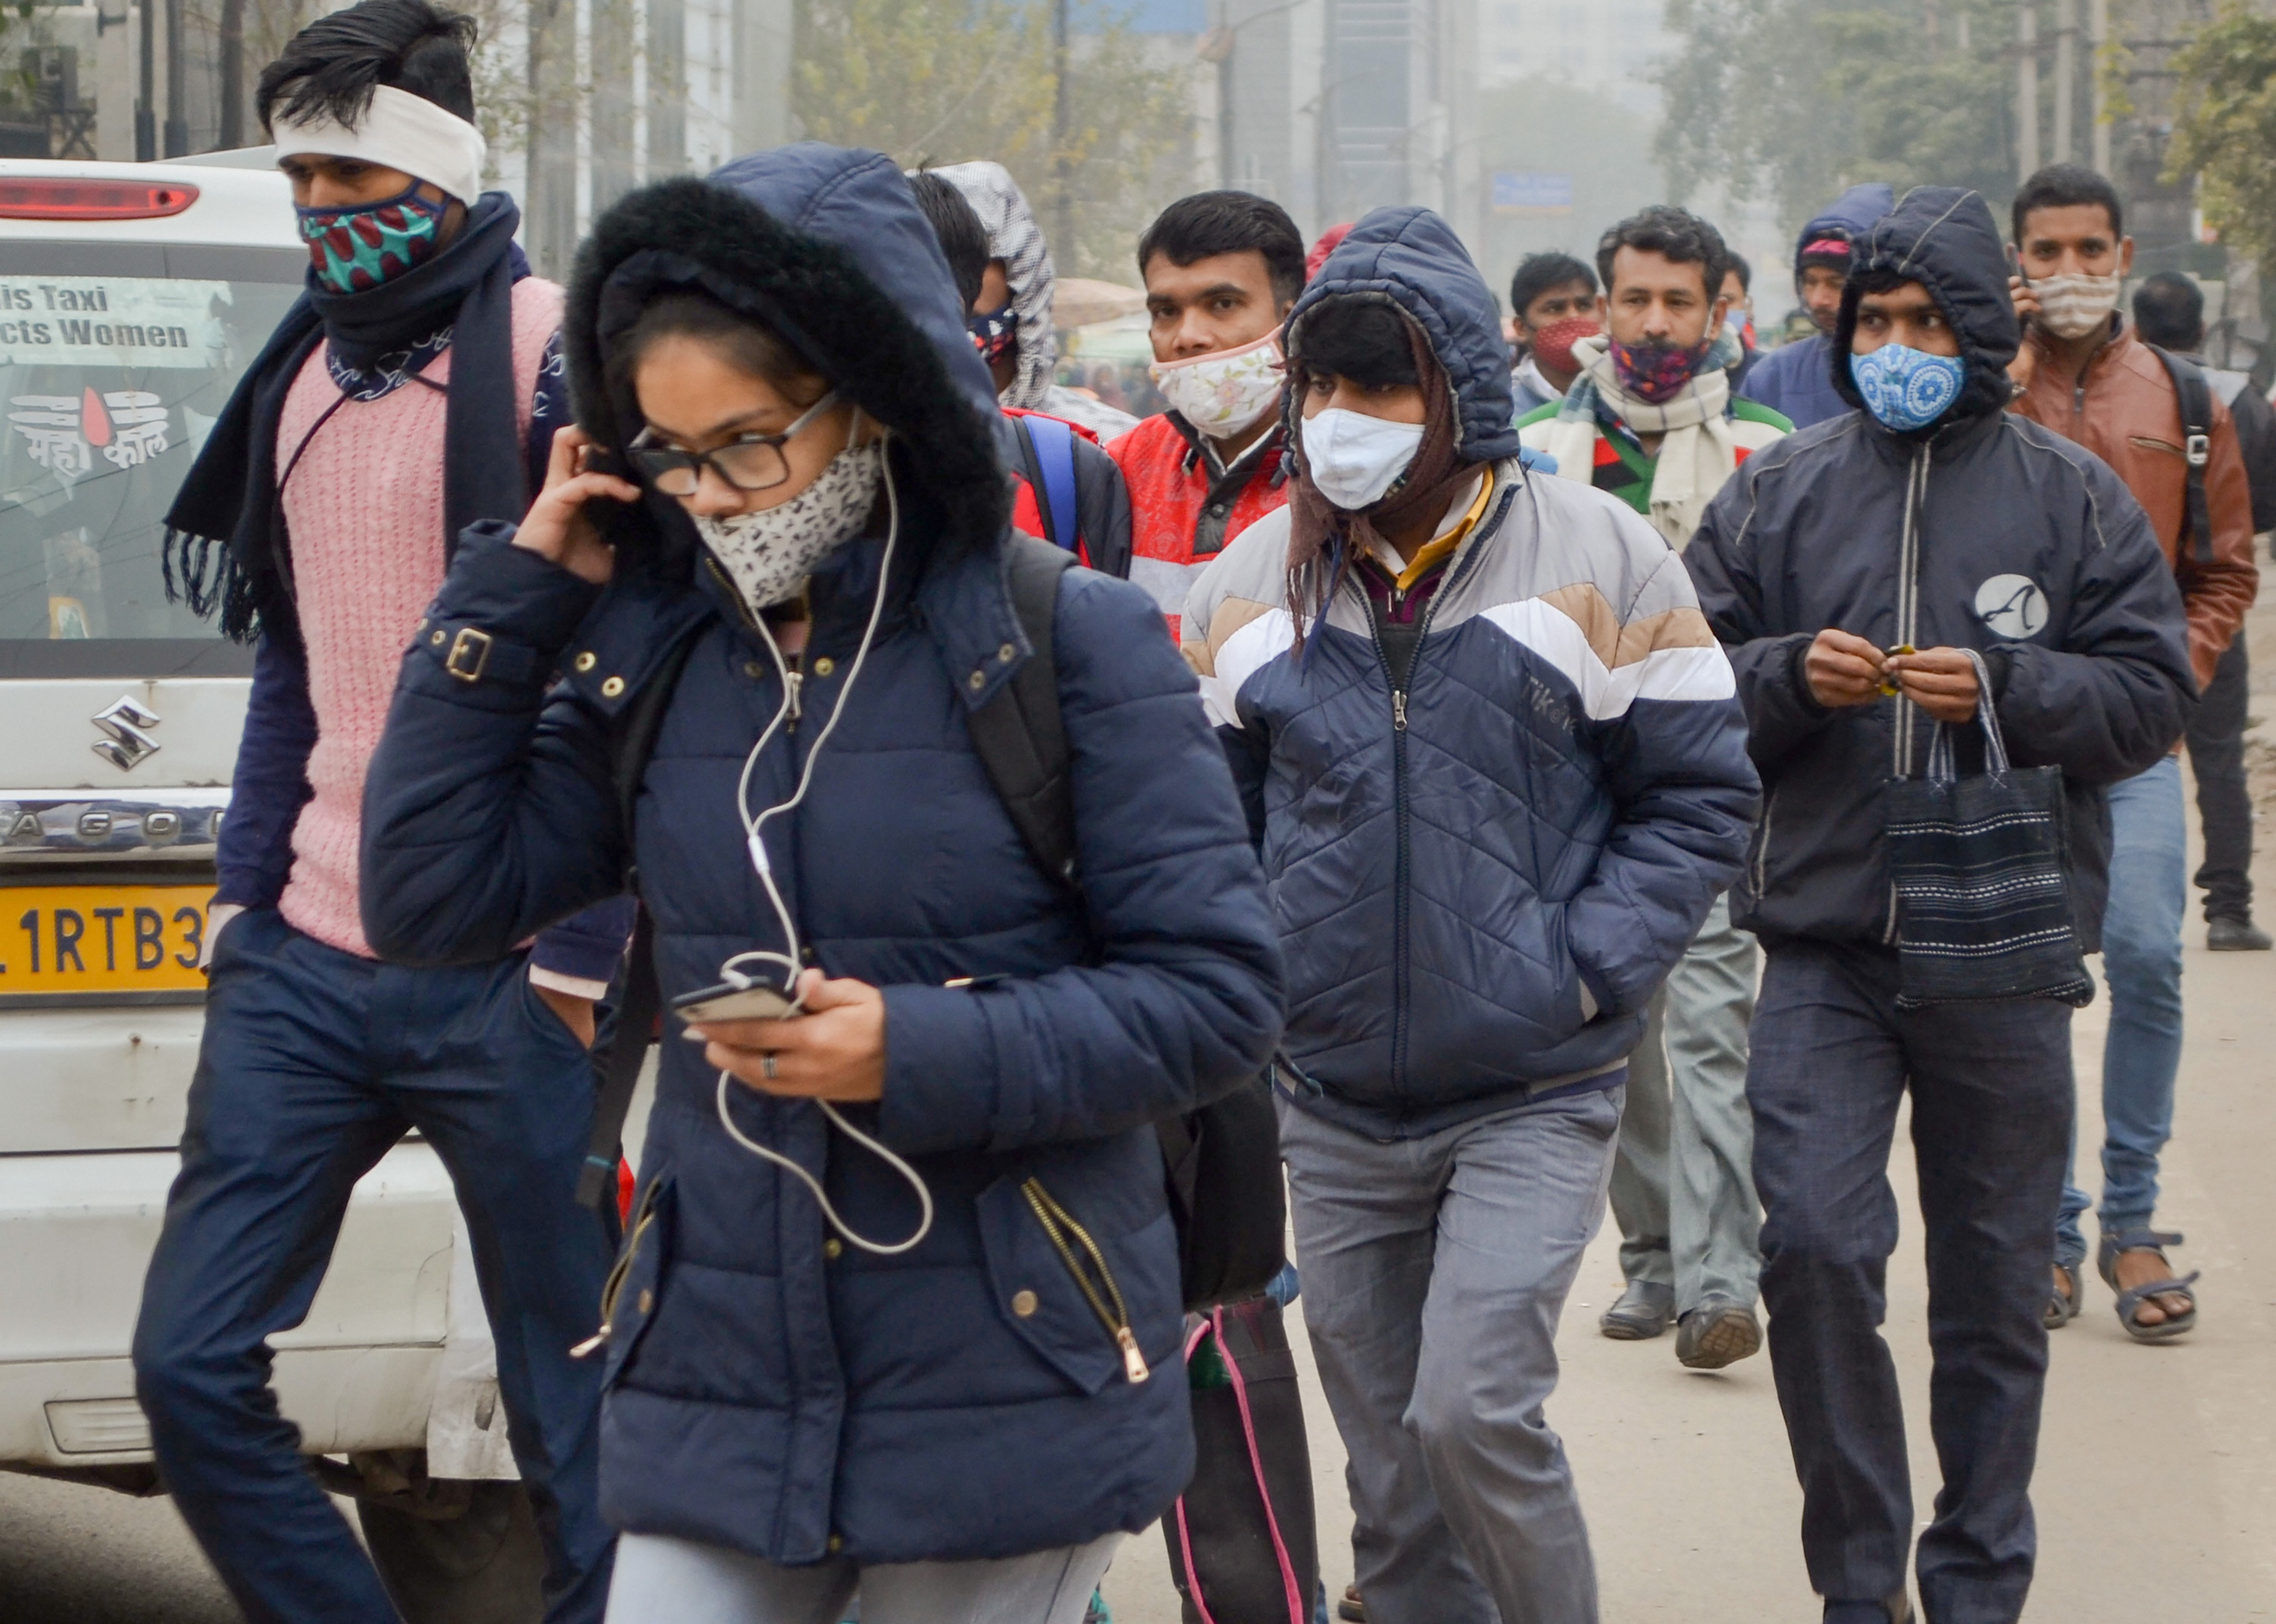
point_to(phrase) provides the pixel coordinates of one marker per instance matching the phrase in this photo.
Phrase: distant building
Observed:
(1611, 46)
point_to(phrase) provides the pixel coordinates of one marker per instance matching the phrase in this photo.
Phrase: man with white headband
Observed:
(2084, 373)
(412, 390)
(1221, 269)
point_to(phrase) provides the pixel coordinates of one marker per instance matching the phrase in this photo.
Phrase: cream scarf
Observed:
(1697, 453)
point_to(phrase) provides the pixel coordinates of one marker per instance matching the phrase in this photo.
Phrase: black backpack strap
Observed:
(1019, 734)
(1031, 467)
(2196, 397)
(617, 1071)
(619, 1067)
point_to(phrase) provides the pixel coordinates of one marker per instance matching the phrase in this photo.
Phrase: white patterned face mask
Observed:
(1224, 393)
(769, 553)
(2073, 307)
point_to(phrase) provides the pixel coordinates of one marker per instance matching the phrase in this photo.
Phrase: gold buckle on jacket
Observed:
(470, 653)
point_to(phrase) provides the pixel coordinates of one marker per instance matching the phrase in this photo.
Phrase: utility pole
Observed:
(2065, 76)
(177, 123)
(1062, 164)
(2098, 39)
(2027, 90)
(232, 134)
(146, 104)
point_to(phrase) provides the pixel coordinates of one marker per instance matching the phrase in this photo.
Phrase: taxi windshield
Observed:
(115, 361)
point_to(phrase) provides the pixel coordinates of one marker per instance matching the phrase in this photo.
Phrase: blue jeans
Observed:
(1992, 1096)
(314, 1063)
(2142, 960)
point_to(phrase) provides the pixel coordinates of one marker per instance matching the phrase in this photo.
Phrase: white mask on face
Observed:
(769, 553)
(1353, 458)
(1224, 392)
(2073, 307)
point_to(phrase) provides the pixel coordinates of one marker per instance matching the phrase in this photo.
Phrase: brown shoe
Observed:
(1718, 1332)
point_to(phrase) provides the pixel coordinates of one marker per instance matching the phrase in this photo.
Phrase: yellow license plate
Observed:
(74, 940)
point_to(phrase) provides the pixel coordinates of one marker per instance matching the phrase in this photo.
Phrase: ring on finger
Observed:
(767, 1065)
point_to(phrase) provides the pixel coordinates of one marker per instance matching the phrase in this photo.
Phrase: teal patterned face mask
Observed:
(357, 248)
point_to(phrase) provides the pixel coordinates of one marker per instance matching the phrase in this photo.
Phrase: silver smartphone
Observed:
(728, 1002)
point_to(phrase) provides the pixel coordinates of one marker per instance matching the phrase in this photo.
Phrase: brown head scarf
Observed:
(1323, 538)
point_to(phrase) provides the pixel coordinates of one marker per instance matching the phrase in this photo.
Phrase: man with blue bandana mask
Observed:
(1932, 519)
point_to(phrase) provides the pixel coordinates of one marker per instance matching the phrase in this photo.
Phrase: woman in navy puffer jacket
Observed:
(965, 1426)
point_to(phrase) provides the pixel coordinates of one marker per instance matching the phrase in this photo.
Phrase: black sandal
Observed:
(2132, 1298)
(2061, 1309)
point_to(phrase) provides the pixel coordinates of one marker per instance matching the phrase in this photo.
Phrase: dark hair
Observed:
(963, 239)
(742, 342)
(1358, 337)
(1737, 265)
(2067, 185)
(1885, 280)
(1538, 273)
(1674, 233)
(2169, 312)
(1213, 223)
(332, 66)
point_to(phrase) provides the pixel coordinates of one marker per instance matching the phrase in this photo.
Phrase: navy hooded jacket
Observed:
(1982, 530)
(1797, 379)
(770, 1388)
(1483, 871)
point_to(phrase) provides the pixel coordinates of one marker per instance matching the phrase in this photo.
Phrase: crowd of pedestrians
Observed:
(1619, 771)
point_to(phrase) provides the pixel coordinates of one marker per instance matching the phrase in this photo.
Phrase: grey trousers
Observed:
(1434, 1270)
(1683, 1183)
(665, 1581)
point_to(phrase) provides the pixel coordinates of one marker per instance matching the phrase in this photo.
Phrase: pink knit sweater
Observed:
(365, 511)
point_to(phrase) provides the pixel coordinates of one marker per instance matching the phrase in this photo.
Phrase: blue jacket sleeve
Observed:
(589, 947)
(270, 785)
(1183, 1000)
(1675, 762)
(488, 813)
(2114, 697)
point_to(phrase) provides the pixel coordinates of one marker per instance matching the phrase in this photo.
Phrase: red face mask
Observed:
(1552, 345)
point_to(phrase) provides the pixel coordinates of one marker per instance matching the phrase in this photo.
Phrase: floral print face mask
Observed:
(1226, 391)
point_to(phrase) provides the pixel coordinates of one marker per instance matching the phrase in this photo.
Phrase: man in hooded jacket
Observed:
(1494, 762)
(1879, 531)
(1795, 380)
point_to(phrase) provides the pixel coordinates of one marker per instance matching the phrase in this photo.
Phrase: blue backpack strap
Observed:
(1054, 443)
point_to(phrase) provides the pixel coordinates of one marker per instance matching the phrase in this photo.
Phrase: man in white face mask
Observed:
(2084, 373)
(1221, 269)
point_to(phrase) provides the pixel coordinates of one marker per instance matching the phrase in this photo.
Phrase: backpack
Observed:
(1047, 459)
(1221, 1163)
(2195, 398)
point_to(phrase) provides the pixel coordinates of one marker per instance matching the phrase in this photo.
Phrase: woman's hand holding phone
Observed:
(835, 1051)
(556, 527)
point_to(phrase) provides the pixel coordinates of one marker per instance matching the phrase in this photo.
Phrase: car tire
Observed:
(486, 1566)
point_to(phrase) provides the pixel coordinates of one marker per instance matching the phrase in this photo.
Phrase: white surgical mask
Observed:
(769, 553)
(1354, 458)
(1224, 392)
(2073, 307)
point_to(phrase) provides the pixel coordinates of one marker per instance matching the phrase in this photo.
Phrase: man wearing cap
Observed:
(1796, 379)
(412, 390)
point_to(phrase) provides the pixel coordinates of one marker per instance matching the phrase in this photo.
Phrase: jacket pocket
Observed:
(635, 1284)
(1057, 1286)
(2145, 443)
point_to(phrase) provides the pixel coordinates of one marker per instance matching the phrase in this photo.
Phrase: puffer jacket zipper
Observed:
(1909, 553)
(1104, 1295)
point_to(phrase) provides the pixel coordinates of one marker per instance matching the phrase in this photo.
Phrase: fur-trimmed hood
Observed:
(825, 245)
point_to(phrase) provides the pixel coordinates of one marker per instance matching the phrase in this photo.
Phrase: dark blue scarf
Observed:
(227, 550)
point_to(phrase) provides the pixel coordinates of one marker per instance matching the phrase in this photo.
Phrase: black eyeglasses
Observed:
(748, 462)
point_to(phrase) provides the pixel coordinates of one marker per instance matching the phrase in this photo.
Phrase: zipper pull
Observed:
(591, 1345)
(1134, 1363)
(1398, 710)
(792, 680)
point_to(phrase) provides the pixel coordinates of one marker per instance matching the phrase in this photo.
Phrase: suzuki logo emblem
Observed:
(127, 746)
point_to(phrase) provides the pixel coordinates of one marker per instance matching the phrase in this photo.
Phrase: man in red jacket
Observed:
(1221, 269)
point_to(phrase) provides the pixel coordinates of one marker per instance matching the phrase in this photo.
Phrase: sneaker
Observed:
(1718, 1332)
(1351, 1609)
(1639, 1313)
(2228, 935)
(1097, 1612)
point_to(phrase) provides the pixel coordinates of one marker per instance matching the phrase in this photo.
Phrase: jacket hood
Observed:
(1944, 238)
(826, 246)
(1849, 216)
(1015, 237)
(1412, 258)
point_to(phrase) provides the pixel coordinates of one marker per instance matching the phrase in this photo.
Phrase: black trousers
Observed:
(2216, 738)
(1991, 1097)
